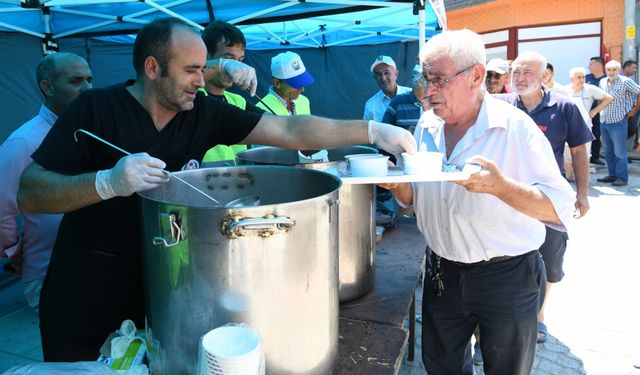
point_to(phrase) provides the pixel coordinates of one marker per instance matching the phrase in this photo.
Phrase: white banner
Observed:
(438, 9)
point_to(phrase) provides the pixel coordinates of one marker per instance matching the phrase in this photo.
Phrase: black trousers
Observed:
(502, 298)
(595, 144)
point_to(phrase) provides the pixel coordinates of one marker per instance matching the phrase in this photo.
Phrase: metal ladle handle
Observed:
(75, 136)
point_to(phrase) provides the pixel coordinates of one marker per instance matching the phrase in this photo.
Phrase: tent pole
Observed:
(421, 30)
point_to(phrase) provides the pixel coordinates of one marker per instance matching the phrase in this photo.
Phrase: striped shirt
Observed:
(404, 111)
(625, 94)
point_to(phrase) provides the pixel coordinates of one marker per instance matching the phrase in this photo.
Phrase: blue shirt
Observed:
(559, 119)
(404, 111)
(591, 79)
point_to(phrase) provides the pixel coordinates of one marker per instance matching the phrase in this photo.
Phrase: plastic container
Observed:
(422, 163)
(368, 165)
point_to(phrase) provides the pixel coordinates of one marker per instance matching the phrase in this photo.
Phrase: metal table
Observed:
(372, 339)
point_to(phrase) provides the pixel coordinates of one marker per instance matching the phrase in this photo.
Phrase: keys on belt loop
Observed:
(436, 280)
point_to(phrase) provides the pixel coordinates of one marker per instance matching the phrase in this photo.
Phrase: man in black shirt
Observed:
(94, 279)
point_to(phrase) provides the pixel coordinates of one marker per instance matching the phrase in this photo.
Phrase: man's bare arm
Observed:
(45, 191)
(313, 132)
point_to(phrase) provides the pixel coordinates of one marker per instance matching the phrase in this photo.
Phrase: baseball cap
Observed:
(382, 59)
(288, 67)
(498, 65)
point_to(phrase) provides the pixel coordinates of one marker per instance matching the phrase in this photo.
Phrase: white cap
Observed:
(288, 67)
(498, 65)
(382, 59)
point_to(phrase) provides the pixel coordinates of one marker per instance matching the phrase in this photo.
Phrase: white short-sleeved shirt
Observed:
(376, 105)
(470, 227)
(585, 98)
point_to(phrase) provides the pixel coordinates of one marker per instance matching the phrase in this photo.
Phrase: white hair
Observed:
(577, 70)
(532, 56)
(464, 47)
(613, 64)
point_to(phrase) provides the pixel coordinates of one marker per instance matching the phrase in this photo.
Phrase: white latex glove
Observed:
(240, 73)
(392, 139)
(132, 173)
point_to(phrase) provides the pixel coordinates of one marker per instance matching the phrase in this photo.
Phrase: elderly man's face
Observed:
(285, 91)
(386, 77)
(177, 90)
(495, 82)
(612, 72)
(451, 98)
(526, 76)
(577, 80)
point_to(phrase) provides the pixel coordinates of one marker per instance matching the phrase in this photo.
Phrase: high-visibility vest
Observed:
(224, 152)
(302, 105)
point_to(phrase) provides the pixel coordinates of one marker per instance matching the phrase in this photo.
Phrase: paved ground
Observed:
(593, 315)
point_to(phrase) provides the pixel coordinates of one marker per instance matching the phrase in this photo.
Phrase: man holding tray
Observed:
(484, 232)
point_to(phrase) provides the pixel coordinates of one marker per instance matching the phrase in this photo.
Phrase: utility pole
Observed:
(629, 47)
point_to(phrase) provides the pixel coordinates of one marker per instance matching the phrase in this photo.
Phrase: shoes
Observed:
(607, 179)
(543, 333)
(619, 182)
(477, 354)
(596, 161)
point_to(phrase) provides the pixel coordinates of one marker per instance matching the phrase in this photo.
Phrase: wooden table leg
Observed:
(412, 328)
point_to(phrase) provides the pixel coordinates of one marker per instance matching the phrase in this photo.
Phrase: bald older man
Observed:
(27, 238)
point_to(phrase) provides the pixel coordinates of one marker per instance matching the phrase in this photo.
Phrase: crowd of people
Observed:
(495, 242)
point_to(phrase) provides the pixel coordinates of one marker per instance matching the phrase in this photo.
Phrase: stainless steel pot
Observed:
(273, 266)
(357, 215)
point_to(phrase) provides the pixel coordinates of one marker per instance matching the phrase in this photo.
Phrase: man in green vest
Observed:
(224, 41)
(289, 78)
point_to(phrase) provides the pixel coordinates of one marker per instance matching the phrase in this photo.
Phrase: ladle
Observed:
(75, 136)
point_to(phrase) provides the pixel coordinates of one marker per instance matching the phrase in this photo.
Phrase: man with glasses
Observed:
(497, 81)
(560, 120)
(225, 42)
(289, 78)
(386, 75)
(484, 232)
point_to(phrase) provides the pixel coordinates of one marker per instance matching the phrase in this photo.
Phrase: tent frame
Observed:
(299, 36)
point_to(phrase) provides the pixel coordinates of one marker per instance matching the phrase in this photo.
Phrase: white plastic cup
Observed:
(231, 350)
(422, 163)
(368, 165)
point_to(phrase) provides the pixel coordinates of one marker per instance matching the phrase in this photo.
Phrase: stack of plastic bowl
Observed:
(231, 350)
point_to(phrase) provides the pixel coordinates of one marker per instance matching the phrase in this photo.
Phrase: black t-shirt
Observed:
(248, 107)
(96, 264)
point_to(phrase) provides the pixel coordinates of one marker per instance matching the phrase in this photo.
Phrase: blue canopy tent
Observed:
(337, 39)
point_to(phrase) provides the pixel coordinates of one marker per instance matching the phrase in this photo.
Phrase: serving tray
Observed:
(396, 175)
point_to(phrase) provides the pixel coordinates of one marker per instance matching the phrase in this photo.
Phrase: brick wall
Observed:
(502, 14)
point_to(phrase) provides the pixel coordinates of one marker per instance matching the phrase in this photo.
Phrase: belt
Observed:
(484, 262)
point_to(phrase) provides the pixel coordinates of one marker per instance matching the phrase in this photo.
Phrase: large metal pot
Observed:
(273, 266)
(357, 215)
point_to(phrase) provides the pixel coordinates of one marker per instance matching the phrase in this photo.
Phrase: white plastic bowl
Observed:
(368, 165)
(422, 163)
